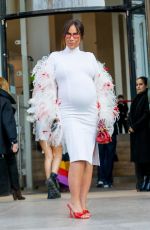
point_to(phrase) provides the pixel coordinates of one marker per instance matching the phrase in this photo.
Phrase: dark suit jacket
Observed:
(8, 133)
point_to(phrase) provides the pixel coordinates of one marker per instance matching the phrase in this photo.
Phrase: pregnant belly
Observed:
(80, 97)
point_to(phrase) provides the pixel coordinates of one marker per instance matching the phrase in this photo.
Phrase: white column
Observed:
(25, 74)
(0, 56)
(11, 7)
(126, 57)
(35, 43)
(117, 54)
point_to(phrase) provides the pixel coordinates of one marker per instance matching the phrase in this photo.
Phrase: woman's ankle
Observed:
(76, 206)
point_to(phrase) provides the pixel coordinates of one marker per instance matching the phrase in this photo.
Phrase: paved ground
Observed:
(111, 210)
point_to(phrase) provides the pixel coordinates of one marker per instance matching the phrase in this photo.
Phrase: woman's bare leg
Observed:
(51, 164)
(57, 157)
(48, 157)
(85, 185)
(75, 178)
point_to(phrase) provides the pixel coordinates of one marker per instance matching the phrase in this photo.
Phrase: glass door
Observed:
(140, 42)
(18, 64)
(137, 41)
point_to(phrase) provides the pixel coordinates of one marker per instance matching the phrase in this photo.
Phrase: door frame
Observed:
(126, 8)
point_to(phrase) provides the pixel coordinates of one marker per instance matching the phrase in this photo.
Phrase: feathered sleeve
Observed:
(106, 99)
(43, 104)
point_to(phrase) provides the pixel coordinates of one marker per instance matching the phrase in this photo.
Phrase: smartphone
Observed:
(54, 125)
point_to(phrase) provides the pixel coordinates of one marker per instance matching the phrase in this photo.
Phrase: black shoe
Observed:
(52, 194)
(107, 185)
(55, 180)
(53, 191)
(17, 195)
(141, 187)
(147, 186)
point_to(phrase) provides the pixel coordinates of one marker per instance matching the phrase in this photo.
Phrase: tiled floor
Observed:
(111, 210)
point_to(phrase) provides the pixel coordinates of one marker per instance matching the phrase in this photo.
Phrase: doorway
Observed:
(106, 35)
(34, 37)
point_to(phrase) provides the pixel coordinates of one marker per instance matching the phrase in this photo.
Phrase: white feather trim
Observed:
(43, 104)
(107, 105)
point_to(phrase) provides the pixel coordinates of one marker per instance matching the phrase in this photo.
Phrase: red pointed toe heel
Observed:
(77, 215)
(86, 211)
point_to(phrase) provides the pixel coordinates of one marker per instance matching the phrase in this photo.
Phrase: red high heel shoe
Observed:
(77, 215)
(86, 211)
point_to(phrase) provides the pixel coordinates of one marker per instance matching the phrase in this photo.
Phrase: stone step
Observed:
(124, 157)
(123, 147)
(124, 179)
(123, 154)
(40, 176)
(38, 164)
(37, 154)
(123, 137)
(123, 168)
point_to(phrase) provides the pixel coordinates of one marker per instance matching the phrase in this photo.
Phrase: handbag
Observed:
(103, 137)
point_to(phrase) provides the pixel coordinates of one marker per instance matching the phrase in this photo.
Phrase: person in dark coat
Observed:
(139, 119)
(8, 140)
(123, 113)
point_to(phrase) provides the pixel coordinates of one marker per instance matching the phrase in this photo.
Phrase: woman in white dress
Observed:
(84, 94)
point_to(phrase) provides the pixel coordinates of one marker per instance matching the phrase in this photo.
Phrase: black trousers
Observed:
(9, 177)
(122, 123)
(107, 154)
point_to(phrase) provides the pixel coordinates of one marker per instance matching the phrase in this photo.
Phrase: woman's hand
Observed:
(101, 127)
(15, 147)
(130, 130)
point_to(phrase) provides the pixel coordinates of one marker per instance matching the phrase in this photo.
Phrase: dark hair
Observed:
(144, 79)
(120, 96)
(77, 23)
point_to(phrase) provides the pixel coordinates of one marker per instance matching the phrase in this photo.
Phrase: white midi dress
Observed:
(74, 73)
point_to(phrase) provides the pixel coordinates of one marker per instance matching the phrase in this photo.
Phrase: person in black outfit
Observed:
(8, 140)
(107, 154)
(139, 130)
(123, 112)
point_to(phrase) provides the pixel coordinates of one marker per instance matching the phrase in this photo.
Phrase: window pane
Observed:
(137, 2)
(15, 6)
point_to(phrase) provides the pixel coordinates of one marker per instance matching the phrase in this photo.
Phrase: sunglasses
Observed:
(74, 35)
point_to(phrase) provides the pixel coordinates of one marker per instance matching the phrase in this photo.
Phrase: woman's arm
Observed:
(44, 104)
(107, 103)
(9, 125)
